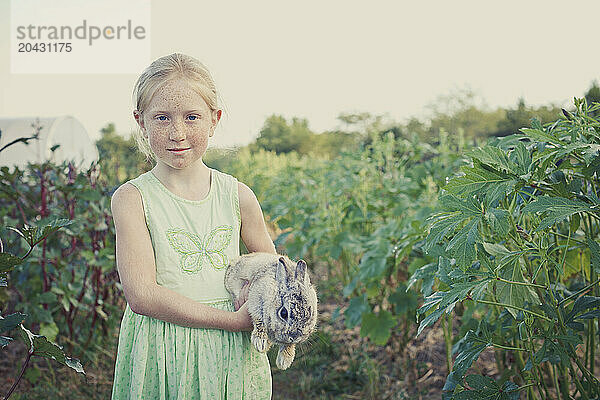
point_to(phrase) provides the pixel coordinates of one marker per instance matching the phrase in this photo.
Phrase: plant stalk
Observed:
(515, 307)
(14, 386)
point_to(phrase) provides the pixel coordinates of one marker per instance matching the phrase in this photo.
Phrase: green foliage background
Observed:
(465, 218)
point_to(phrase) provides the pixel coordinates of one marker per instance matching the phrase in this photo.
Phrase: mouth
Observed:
(178, 150)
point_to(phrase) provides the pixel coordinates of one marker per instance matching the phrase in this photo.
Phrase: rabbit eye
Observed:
(283, 313)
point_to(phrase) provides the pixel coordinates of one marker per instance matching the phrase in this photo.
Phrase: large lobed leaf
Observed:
(441, 302)
(468, 348)
(510, 267)
(556, 209)
(478, 179)
(485, 388)
(495, 157)
(378, 327)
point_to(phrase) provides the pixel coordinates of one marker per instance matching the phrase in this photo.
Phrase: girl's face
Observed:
(178, 123)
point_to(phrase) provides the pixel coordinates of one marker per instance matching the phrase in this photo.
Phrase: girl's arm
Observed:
(137, 271)
(254, 230)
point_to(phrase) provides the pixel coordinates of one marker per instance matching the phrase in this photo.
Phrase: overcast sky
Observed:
(317, 59)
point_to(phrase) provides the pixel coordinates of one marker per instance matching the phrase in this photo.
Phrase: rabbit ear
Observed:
(280, 272)
(300, 270)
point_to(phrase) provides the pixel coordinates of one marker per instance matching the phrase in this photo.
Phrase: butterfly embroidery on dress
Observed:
(196, 252)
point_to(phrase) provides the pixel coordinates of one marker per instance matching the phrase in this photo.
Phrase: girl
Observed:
(177, 228)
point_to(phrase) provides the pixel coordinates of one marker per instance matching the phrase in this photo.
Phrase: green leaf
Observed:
(574, 222)
(541, 136)
(403, 299)
(479, 180)
(595, 255)
(377, 326)
(357, 307)
(557, 209)
(35, 234)
(498, 220)
(462, 245)
(4, 340)
(40, 346)
(485, 388)
(441, 302)
(511, 268)
(8, 261)
(430, 305)
(469, 206)
(580, 305)
(496, 250)
(553, 350)
(521, 156)
(427, 274)
(11, 321)
(49, 330)
(373, 263)
(480, 382)
(494, 157)
(441, 228)
(46, 297)
(470, 348)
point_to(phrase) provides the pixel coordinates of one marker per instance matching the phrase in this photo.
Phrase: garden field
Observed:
(447, 265)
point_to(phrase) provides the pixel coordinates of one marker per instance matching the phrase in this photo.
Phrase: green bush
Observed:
(68, 286)
(516, 243)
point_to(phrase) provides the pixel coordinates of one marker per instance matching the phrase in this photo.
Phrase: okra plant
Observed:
(516, 245)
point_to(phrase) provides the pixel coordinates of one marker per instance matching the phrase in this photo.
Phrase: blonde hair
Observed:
(160, 71)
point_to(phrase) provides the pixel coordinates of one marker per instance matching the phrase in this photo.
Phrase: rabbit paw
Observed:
(260, 341)
(285, 356)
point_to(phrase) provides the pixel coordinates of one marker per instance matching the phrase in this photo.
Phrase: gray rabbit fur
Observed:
(281, 301)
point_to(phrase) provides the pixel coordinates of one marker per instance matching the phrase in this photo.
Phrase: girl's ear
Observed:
(140, 121)
(216, 117)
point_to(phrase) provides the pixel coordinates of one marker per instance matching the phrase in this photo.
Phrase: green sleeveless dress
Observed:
(193, 242)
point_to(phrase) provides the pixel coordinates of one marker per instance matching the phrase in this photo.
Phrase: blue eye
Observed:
(193, 117)
(161, 118)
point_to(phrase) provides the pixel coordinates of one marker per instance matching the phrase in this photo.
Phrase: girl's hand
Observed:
(244, 322)
(242, 298)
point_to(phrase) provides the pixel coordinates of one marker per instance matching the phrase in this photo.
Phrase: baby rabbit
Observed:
(281, 301)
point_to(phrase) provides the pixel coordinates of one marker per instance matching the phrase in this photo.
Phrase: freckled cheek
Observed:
(201, 141)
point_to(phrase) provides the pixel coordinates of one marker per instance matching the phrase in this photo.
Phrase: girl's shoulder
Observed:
(223, 176)
(225, 181)
(244, 192)
(129, 193)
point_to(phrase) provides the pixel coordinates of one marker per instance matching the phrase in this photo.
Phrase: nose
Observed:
(177, 131)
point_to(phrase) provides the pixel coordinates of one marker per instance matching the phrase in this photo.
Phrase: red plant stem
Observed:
(43, 264)
(69, 324)
(43, 208)
(95, 316)
(43, 214)
(14, 386)
(73, 311)
(21, 211)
